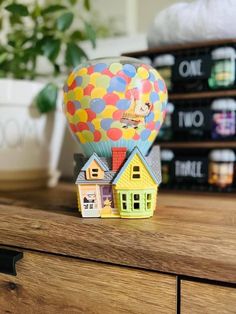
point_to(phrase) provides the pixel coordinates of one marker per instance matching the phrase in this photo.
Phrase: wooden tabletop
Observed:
(190, 234)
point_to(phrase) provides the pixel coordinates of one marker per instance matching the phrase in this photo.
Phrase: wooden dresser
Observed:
(181, 261)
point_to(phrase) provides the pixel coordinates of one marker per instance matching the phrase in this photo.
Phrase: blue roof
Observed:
(133, 153)
(98, 160)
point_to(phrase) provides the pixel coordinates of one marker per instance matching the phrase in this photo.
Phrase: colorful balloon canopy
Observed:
(114, 102)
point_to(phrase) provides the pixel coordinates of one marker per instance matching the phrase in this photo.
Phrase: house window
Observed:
(124, 201)
(94, 172)
(90, 200)
(149, 201)
(136, 172)
(136, 201)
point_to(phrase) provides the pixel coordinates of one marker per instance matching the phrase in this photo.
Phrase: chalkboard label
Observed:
(191, 170)
(190, 68)
(191, 119)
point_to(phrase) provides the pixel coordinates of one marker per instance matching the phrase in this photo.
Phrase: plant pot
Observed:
(30, 142)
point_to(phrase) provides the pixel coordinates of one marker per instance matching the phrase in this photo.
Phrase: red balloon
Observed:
(71, 108)
(81, 126)
(97, 136)
(114, 134)
(111, 98)
(91, 114)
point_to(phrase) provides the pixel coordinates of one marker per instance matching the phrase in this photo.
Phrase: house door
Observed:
(106, 194)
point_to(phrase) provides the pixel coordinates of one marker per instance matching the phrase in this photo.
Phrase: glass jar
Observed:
(146, 60)
(223, 68)
(164, 65)
(221, 168)
(166, 131)
(166, 166)
(223, 118)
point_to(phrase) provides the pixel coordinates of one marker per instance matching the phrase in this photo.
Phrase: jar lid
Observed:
(146, 60)
(170, 107)
(223, 53)
(167, 155)
(224, 104)
(225, 155)
(164, 60)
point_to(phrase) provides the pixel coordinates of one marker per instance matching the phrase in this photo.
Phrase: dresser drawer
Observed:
(47, 283)
(199, 298)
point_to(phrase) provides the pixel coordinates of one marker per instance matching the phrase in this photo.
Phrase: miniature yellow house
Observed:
(121, 186)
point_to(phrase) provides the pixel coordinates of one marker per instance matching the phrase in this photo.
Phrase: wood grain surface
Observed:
(201, 298)
(52, 284)
(191, 234)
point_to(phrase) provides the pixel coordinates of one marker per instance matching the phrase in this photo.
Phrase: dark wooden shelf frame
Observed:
(203, 145)
(206, 94)
(176, 47)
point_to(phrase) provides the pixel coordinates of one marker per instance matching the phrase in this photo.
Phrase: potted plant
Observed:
(38, 50)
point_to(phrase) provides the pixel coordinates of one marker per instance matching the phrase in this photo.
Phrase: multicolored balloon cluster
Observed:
(115, 100)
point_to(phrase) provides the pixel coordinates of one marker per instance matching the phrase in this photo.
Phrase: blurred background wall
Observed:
(130, 16)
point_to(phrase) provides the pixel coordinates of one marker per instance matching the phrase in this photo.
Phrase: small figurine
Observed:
(115, 108)
(121, 186)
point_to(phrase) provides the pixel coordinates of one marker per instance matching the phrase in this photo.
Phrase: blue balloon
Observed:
(106, 124)
(97, 105)
(154, 97)
(145, 134)
(91, 126)
(150, 117)
(152, 77)
(129, 70)
(118, 84)
(78, 80)
(77, 104)
(99, 67)
(123, 104)
(161, 84)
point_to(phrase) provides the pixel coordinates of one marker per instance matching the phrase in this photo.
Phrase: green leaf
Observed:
(53, 8)
(87, 4)
(18, 9)
(64, 21)
(73, 2)
(91, 34)
(51, 48)
(46, 100)
(77, 35)
(3, 57)
(74, 55)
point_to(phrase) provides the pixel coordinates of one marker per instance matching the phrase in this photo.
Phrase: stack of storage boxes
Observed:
(199, 133)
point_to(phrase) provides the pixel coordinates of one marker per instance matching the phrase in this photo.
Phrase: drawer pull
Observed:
(8, 259)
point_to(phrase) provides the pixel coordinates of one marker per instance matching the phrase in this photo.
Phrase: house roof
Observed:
(133, 153)
(98, 160)
(152, 163)
(108, 177)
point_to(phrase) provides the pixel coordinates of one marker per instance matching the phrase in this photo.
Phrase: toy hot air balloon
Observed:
(114, 103)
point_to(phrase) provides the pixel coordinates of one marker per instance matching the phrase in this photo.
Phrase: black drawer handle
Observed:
(8, 259)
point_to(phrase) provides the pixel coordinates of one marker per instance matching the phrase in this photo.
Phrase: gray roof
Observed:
(108, 177)
(154, 161)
